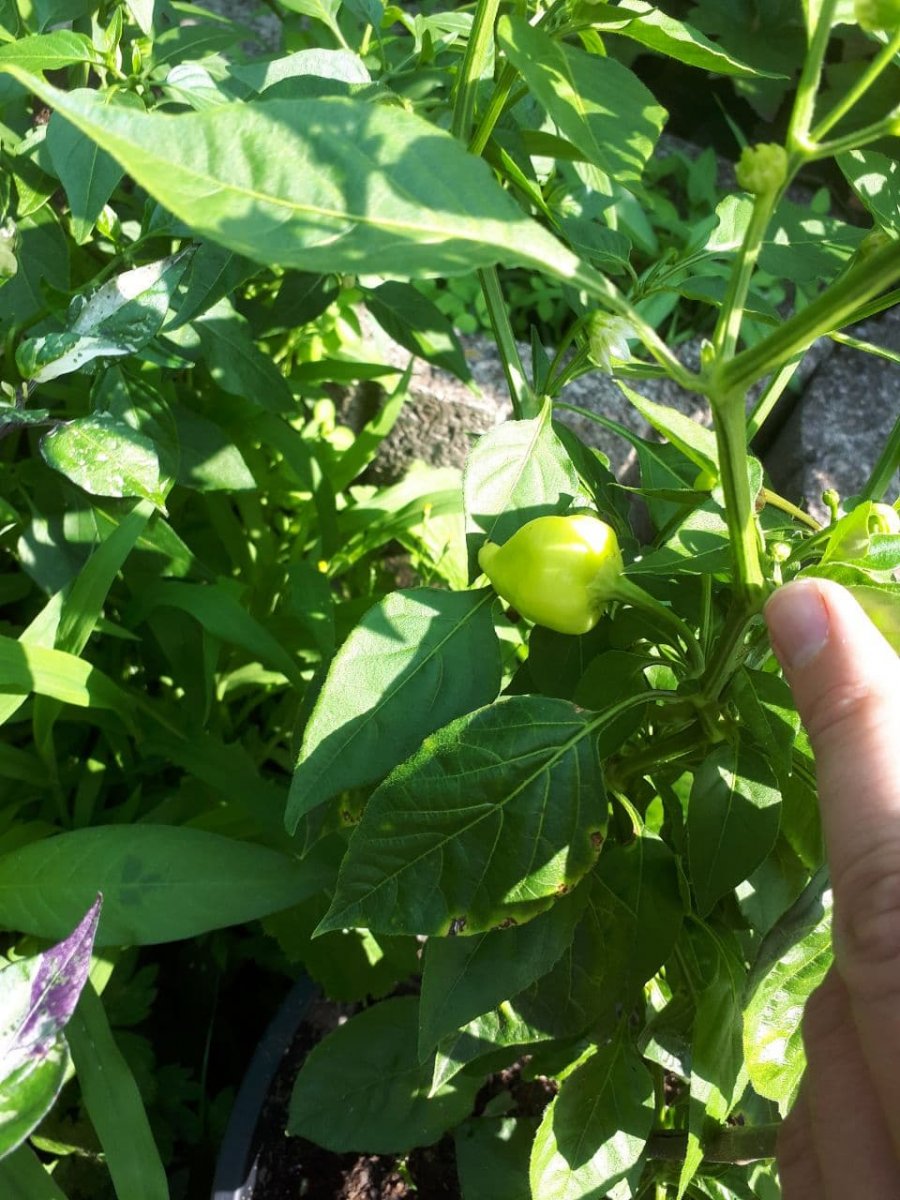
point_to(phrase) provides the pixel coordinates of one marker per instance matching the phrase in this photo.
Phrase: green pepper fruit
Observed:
(876, 15)
(762, 168)
(559, 572)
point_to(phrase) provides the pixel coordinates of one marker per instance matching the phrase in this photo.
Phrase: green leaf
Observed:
(354, 187)
(767, 709)
(627, 931)
(699, 545)
(208, 460)
(24, 1177)
(144, 13)
(459, 837)
(160, 883)
(517, 471)
(418, 325)
(49, 51)
(28, 1094)
(675, 39)
(42, 255)
(325, 11)
(463, 977)
(875, 179)
(595, 1130)
(732, 820)
(807, 247)
(105, 457)
(114, 1104)
(511, 1024)
(694, 440)
(236, 364)
(119, 318)
(718, 1074)
(394, 681)
(9, 264)
(26, 668)
(221, 613)
(599, 105)
(363, 1088)
(492, 1157)
(87, 173)
(212, 274)
(341, 65)
(792, 961)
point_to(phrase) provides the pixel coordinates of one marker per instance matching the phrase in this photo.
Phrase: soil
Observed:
(290, 1168)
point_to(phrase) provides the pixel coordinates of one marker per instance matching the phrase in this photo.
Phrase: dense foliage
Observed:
(595, 855)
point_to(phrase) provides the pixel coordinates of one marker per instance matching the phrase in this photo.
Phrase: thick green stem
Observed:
(525, 403)
(834, 308)
(729, 651)
(882, 60)
(472, 67)
(731, 439)
(728, 327)
(808, 84)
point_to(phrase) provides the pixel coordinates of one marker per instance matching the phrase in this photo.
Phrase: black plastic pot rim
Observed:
(236, 1166)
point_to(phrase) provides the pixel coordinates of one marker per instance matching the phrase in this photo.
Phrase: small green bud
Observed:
(762, 168)
(832, 502)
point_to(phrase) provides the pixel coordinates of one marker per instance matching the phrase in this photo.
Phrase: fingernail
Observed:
(798, 623)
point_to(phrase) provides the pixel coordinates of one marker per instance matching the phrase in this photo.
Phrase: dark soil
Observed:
(291, 1168)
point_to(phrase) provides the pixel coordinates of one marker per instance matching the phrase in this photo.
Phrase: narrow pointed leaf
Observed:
(597, 103)
(463, 977)
(354, 186)
(394, 681)
(594, 1132)
(347, 1098)
(160, 883)
(732, 823)
(38, 995)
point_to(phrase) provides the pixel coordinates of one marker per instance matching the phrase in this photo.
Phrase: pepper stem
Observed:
(629, 592)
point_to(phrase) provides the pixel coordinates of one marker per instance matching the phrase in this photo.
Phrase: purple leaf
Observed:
(38, 995)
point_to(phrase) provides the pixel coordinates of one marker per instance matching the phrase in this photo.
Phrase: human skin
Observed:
(842, 1139)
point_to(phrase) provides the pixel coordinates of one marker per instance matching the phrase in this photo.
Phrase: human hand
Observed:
(842, 1139)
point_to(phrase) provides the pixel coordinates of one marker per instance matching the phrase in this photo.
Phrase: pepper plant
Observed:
(562, 807)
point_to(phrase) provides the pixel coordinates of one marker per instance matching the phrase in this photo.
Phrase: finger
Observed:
(846, 682)
(848, 1128)
(798, 1167)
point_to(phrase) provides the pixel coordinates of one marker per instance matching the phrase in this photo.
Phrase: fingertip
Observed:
(799, 622)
